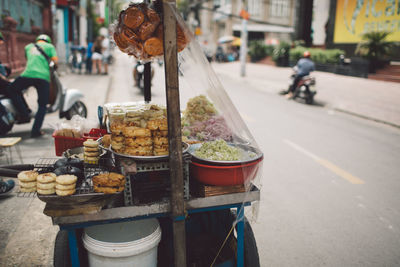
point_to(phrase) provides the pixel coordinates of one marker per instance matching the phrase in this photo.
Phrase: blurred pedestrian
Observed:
(97, 54)
(106, 53)
(89, 54)
(36, 74)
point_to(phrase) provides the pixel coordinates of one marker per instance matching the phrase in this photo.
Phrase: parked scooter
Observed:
(138, 75)
(77, 58)
(305, 88)
(66, 101)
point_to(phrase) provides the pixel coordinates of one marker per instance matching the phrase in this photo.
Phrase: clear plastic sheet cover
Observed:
(203, 98)
(198, 77)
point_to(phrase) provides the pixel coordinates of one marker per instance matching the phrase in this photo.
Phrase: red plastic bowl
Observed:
(224, 175)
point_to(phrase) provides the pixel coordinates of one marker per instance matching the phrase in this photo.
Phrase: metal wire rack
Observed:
(151, 183)
(85, 185)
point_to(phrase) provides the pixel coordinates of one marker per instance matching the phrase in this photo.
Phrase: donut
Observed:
(91, 143)
(46, 191)
(65, 192)
(139, 151)
(46, 178)
(65, 187)
(161, 153)
(159, 141)
(66, 179)
(129, 35)
(106, 140)
(133, 17)
(45, 186)
(120, 42)
(153, 17)
(91, 154)
(153, 46)
(159, 133)
(27, 184)
(181, 39)
(91, 149)
(27, 176)
(116, 128)
(159, 32)
(27, 190)
(146, 30)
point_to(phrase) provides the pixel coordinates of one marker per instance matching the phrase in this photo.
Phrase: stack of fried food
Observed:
(66, 184)
(46, 183)
(159, 133)
(140, 32)
(108, 183)
(27, 181)
(91, 151)
(144, 132)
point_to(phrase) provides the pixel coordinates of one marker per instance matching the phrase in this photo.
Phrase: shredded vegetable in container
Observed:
(218, 150)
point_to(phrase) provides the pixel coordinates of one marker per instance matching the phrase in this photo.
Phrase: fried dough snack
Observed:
(133, 17)
(110, 179)
(140, 32)
(139, 141)
(154, 46)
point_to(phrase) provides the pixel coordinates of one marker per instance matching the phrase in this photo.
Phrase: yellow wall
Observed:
(355, 17)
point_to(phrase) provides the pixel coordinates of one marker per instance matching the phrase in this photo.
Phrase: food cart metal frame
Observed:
(177, 208)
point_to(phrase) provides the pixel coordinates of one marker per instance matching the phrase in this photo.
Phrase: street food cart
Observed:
(178, 186)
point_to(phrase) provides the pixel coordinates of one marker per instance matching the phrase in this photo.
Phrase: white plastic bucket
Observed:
(123, 244)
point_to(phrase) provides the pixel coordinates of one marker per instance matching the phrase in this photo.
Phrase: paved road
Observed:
(329, 194)
(330, 181)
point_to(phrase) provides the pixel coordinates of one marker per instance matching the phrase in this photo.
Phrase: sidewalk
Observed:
(374, 100)
(26, 234)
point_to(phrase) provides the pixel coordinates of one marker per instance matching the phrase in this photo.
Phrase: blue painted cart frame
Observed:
(230, 201)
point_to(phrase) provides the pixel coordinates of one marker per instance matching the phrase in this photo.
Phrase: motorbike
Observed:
(76, 58)
(138, 75)
(305, 88)
(66, 101)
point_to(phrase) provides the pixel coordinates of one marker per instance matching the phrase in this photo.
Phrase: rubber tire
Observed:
(251, 257)
(71, 112)
(310, 99)
(225, 218)
(61, 250)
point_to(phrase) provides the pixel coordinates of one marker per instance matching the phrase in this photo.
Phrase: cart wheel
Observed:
(218, 224)
(251, 257)
(61, 250)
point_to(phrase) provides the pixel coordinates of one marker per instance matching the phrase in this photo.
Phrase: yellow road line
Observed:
(327, 164)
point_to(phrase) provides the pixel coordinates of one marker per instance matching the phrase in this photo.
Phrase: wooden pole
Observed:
(174, 132)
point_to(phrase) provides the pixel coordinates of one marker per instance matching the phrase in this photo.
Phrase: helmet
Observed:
(306, 54)
(44, 37)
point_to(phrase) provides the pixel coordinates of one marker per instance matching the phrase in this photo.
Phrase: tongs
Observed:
(13, 170)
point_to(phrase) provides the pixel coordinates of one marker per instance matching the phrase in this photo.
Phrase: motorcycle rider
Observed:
(37, 74)
(304, 66)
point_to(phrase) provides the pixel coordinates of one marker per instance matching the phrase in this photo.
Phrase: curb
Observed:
(367, 117)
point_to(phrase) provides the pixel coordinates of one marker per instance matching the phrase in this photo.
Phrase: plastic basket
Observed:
(62, 143)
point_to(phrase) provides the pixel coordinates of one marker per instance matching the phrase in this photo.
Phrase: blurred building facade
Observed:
(269, 20)
(21, 21)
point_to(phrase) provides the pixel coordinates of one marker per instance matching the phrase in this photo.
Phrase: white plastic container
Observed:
(123, 244)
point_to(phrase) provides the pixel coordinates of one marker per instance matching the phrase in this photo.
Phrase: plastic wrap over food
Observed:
(224, 152)
(139, 32)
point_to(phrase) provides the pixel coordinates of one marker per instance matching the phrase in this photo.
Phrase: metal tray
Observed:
(246, 158)
(84, 191)
(141, 158)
